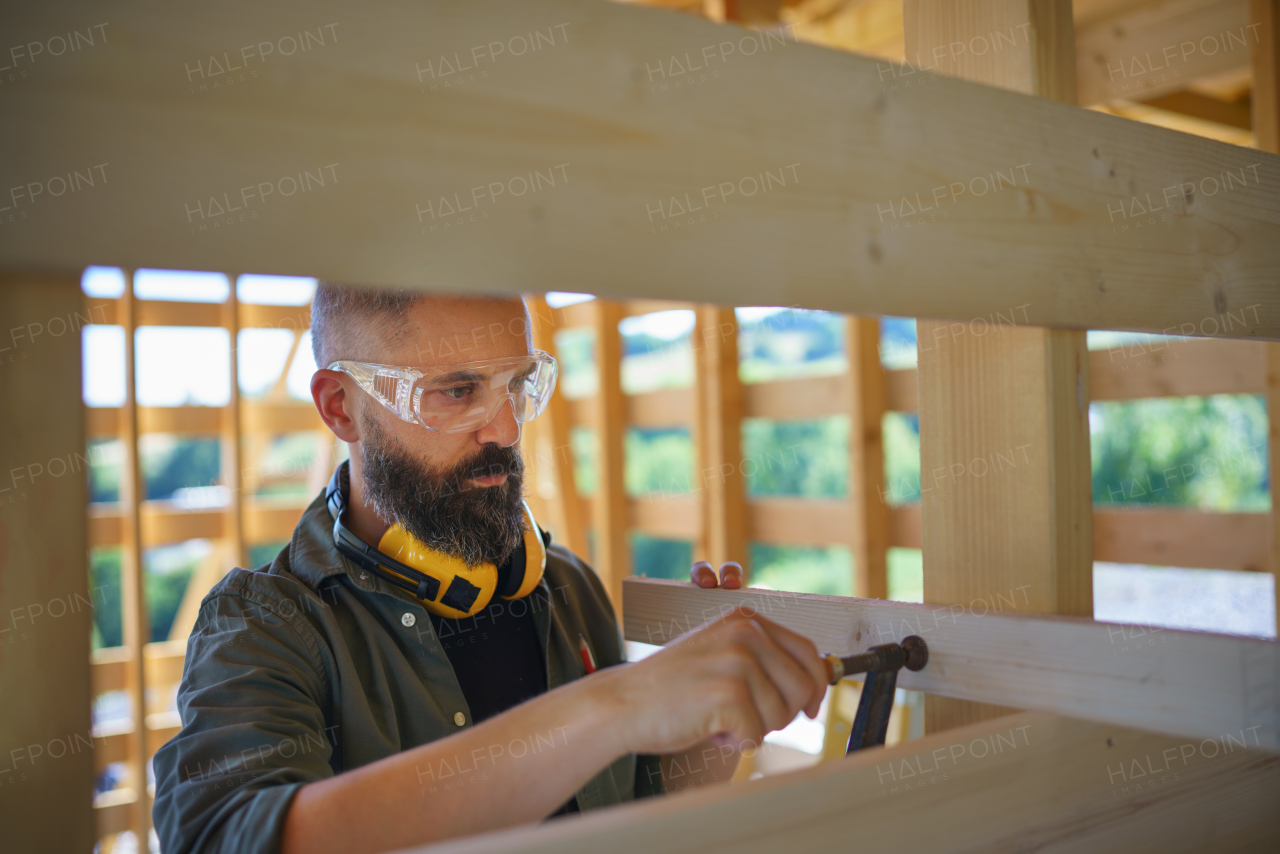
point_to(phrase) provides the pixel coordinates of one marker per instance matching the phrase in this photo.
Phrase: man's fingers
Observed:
(702, 574)
(730, 575)
(789, 686)
(802, 651)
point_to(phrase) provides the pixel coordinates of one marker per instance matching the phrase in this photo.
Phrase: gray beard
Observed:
(474, 524)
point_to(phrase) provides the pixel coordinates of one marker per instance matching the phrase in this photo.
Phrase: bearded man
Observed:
(420, 662)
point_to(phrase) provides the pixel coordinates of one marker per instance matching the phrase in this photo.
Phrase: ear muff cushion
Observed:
(535, 556)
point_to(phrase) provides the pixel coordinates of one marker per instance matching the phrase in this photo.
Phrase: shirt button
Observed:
(459, 718)
(408, 620)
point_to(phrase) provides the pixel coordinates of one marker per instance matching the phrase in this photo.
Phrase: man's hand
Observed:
(732, 680)
(704, 576)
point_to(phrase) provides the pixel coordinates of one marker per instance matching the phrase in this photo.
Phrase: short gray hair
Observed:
(335, 309)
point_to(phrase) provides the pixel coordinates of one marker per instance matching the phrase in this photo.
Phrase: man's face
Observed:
(457, 492)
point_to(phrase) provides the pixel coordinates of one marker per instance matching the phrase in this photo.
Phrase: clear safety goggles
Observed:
(463, 397)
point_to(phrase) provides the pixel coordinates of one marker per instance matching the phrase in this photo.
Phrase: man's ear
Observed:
(334, 404)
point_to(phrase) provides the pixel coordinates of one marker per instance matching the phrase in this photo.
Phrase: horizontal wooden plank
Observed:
(1186, 538)
(580, 313)
(797, 399)
(1178, 367)
(1138, 53)
(103, 422)
(675, 517)
(112, 813)
(182, 313)
(264, 522)
(1023, 782)
(1189, 684)
(1054, 237)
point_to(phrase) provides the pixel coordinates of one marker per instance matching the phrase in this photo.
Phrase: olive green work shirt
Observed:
(309, 666)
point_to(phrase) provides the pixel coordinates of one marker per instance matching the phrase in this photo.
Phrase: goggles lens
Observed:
(463, 397)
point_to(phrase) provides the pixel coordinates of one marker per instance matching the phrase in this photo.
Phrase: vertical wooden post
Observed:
(232, 447)
(554, 425)
(133, 599)
(1266, 130)
(720, 482)
(610, 517)
(1019, 531)
(45, 685)
(869, 528)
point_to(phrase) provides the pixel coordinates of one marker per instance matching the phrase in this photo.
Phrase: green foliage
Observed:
(790, 343)
(1205, 452)
(171, 463)
(808, 458)
(802, 569)
(575, 353)
(104, 575)
(906, 574)
(658, 461)
(901, 431)
(659, 558)
(264, 553)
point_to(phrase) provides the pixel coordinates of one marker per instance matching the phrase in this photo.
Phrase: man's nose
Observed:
(503, 429)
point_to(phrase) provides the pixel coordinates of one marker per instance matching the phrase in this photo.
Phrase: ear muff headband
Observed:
(445, 585)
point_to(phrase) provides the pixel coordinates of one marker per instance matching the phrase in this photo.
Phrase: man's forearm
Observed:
(515, 768)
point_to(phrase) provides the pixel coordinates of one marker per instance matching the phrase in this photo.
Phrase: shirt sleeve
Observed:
(253, 727)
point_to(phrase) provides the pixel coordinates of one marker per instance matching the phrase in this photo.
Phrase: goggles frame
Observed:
(400, 388)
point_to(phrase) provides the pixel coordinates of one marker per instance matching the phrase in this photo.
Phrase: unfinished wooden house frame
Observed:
(401, 129)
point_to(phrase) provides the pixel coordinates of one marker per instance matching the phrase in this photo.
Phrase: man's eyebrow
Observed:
(458, 376)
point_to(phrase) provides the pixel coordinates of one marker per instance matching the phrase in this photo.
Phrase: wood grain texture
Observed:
(1139, 53)
(827, 239)
(720, 483)
(1005, 391)
(1026, 782)
(1190, 684)
(611, 554)
(869, 522)
(46, 604)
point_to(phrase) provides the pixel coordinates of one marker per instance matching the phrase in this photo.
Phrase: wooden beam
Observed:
(612, 552)
(47, 614)
(103, 422)
(1187, 538)
(1202, 107)
(150, 312)
(136, 627)
(1024, 782)
(556, 428)
(1161, 47)
(232, 444)
(869, 519)
(850, 153)
(1007, 390)
(720, 483)
(1266, 125)
(1190, 684)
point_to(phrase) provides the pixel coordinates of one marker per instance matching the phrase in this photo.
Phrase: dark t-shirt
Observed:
(496, 655)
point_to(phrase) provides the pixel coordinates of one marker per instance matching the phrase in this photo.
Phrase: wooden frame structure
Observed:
(174, 147)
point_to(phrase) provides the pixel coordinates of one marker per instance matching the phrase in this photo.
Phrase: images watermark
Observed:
(462, 69)
(1146, 773)
(469, 769)
(678, 72)
(445, 213)
(59, 606)
(1174, 200)
(236, 769)
(900, 626)
(31, 754)
(678, 212)
(1134, 75)
(221, 213)
(28, 194)
(215, 73)
(1246, 458)
(911, 212)
(53, 327)
(22, 56)
(21, 478)
(916, 772)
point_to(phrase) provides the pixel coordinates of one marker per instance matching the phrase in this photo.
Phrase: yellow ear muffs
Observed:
(463, 591)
